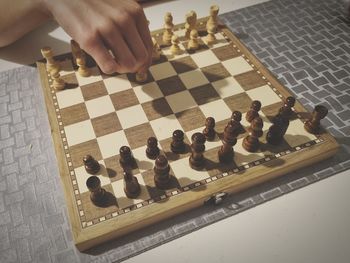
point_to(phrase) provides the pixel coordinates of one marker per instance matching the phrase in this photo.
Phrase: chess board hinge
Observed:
(216, 199)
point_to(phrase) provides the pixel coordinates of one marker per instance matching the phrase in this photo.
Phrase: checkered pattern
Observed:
(99, 114)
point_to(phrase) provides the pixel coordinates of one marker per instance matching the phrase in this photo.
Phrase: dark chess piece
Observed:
(236, 118)
(126, 159)
(98, 194)
(197, 160)
(232, 130)
(275, 133)
(251, 143)
(313, 125)
(287, 107)
(161, 170)
(209, 131)
(254, 111)
(91, 165)
(132, 187)
(177, 145)
(152, 150)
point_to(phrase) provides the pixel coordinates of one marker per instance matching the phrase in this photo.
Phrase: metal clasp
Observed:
(216, 199)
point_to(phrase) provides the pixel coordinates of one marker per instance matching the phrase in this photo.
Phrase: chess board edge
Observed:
(86, 238)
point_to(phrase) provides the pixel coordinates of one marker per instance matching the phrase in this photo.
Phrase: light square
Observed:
(110, 144)
(296, 134)
(82, 176)
(79, 132)
(208, 144)
(69, 97)
(122, 199)
(132, 116)
(185, 174)
(237, 65)
(243, 157)
(227, 87)
(117, 83)
(264, 94)
(181, 101)
(99, 106)
(162, 70)
(193, 78)
(95, 76)
(164, 127)
(148, 92)
(205, 58)
(143, 163)
(216, 109)
(170, 56)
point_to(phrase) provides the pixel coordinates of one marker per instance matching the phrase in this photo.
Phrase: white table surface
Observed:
(311, 224)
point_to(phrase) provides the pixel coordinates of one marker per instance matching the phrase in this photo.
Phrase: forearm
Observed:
(18, 17)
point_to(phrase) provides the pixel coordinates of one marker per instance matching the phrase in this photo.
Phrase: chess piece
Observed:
(232, 130)
(287, 107)
(91, 165)
(156, 52)
(254, 111)
(236, 118)
(83, 70)
(97, 193)
(161, 170)
(132, 187)
(313, 125)
(193, 44)
(168, 28)
(275, 133)
(141, 76)
(57, 82)
(51, 64)
(213, 18)
(152, 150)
(126, 159)
(175, 48)
(251, 143)
(76, 50)
(177, 145)
(191, 20)
(196, 159)
(210, 38)
(209, 131)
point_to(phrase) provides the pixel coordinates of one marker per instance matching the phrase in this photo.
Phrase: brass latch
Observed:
(216, 199)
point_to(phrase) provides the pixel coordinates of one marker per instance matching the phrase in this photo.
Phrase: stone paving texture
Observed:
(304, 43)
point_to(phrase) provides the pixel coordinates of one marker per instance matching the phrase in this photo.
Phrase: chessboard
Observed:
(99, 114)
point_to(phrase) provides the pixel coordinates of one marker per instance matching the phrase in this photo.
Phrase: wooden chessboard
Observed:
(99, 114)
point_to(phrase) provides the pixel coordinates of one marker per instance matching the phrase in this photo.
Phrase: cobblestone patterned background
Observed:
(304, 43)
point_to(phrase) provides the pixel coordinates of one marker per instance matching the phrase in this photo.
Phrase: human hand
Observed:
(99, 26)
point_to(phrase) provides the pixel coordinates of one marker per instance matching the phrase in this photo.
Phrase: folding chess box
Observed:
(97, 115)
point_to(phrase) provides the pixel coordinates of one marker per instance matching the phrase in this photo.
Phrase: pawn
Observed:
(251, 143)
(175, 48)
(156, 52)
(126, 159)
(313, 125)
(209, 131)
(83, 70)
(58, 83)
(236, 118)
(286, 109)
(152, 150)
(275, 133)
(210, 38)
(97, 193)
(197, 160)
(193, 44)
(141, 76)
(168, 28)
(254, 111)
(191, 20)
(161, 170)
(177, 145)
(132, 187)
(232, 130)
(91, 165)
(51, 63)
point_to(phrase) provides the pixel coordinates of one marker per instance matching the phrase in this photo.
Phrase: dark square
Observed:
(191, 119)
(239, 102)
(182, 65)
(270, 111)
(74, 114)
(134, 83)
(166, 147)
(106, 124)
(77, 152)
(250, 80)
(70, 80)
(204, 94)
(124, 99)
(215, 72)
(94, 90)
(156, 108)
(138, 135)
(226, 52)
(171, 85)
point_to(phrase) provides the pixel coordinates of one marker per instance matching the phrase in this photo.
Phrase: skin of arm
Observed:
(99, 26)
